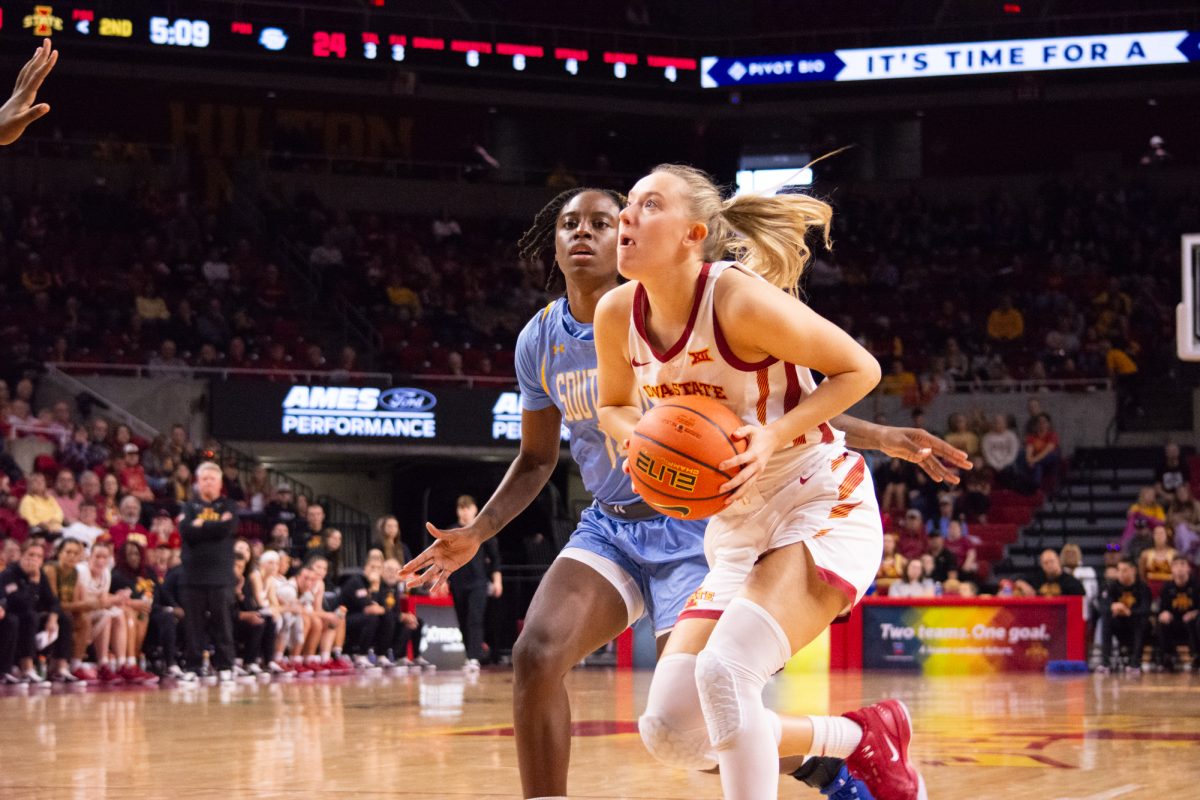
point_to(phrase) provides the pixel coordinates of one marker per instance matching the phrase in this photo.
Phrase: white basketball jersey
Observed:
(702, 363)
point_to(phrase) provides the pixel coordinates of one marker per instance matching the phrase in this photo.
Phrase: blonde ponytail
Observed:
(765, 233)
(768, 234)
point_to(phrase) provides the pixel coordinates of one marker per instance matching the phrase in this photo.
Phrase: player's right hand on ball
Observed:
(450, 550)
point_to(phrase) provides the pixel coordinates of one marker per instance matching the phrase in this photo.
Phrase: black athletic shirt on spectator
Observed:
(18, 593)
(355, 595)
(1064, 584)
(478, 570)
(1179, 600)
(1171, 478)
(208, 548)
(1136, 597)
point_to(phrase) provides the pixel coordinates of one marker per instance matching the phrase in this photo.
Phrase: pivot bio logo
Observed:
(336, 411)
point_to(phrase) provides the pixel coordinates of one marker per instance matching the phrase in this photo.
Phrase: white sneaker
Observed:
(254, 669)
(383, 662)
(226, 676)
(175, 673)
(274, 668)
(34, 680)
(471, 665)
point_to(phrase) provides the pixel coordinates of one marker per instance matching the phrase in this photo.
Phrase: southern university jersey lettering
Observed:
(556, 366)
(702, 363)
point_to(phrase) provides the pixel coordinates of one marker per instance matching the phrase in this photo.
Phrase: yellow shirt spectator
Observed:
(1005, 323)
(899, 381)
(1119, 363)
(43, 512)
(152, 308)
(400, 295)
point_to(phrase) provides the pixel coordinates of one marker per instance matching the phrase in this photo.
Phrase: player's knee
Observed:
(674, 745)
(537, 656)
(716, 681)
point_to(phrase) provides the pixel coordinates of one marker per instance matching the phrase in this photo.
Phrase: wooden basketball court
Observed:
(449, 736)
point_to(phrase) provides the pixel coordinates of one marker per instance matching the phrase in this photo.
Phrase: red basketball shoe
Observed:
(881, 758)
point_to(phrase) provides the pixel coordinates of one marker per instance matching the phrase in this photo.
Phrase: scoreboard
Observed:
(352, 38)
(361, 37)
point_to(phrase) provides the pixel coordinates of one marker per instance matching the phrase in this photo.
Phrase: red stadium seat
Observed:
(990, 551)
(999, 532)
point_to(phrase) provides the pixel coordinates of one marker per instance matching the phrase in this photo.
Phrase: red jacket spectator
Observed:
(164, 533)
(133, 475)
(127, 527)
(912, 541)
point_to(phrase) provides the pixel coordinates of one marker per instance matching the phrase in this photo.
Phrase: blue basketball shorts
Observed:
(655, 564)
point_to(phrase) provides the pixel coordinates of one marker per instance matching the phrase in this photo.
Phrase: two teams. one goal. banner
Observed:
(960, 636)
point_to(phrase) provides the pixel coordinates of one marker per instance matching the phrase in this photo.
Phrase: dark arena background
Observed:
(281, 239)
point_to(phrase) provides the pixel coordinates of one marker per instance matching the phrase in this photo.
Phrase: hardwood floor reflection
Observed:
(448, 736)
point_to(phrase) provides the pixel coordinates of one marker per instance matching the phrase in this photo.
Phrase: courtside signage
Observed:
(506, 419)
(963, 58)
(451, 416)
(358, 412)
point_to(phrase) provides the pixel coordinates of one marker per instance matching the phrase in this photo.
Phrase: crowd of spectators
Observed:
(1071, 282)
(93, 524)
(1145, 593)
(1151, 595)
(1056, 288)
(929, 524)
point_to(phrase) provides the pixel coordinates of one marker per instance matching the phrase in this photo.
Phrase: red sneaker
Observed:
(881, 759)
(108, 677)
(148, 678)
(86, 675)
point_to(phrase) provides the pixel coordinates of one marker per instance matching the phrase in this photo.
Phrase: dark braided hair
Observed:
(540, 236)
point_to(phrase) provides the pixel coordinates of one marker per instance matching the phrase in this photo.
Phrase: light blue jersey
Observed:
(556, 366)
(663, 557)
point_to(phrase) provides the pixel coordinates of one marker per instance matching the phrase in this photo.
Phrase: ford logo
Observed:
(407, 400)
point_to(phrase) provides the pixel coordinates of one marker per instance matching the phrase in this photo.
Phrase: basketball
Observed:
(674, 453)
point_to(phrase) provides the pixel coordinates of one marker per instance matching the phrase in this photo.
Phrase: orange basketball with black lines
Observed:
(675, 452)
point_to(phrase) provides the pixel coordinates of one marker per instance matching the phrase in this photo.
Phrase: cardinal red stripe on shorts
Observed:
(837, 462)
(701, 613)
(764, 391)
(842, 510)
(853, 480)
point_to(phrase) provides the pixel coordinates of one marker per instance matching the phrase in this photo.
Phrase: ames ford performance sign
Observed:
(353, 411)
(284, 412)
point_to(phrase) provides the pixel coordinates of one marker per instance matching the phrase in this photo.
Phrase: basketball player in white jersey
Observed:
(800, 539)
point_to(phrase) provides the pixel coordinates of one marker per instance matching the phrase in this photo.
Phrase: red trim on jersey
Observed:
(764, 391)
(826, 433)
(639, 316)
(723, 346)
(792, 395)
(701, 613)
(727, 351)
(838, 582)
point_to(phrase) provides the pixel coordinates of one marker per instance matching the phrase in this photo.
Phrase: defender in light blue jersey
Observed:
(653, 561)
(623, 560)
